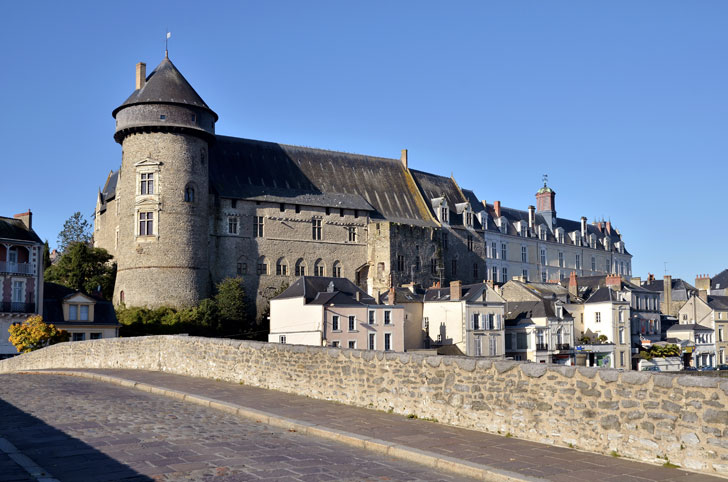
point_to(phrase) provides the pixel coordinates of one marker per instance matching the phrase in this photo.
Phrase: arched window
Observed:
(121, 297)
(319, 268)
(282, 267)
(300, 267)
(336, 271)
(262, 268)
(189, 194)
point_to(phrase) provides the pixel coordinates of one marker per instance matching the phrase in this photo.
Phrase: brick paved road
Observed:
(78, 429)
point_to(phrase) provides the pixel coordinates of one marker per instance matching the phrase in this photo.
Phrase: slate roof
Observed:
(433, 186)
(165, 85)
(15, 229)
(718, 302)
(519, 311)
(320, 290)
(468, 293)
(53, 296)
(404, 295)
(720, 281)
(109, 191)
(250, 169)
(602, 295)
(689, 326)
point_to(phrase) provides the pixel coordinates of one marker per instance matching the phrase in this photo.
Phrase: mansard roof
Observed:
(165, 85)
(15, 229)
(680, 289)
(53, 297)
(718, 302)
(720, 281)
(321, 290)
(259, 170)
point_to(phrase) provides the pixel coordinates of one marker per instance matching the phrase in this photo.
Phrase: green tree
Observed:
(34, 333)
(76, 229)
(83, 268)
(46, 255)
(231, 305)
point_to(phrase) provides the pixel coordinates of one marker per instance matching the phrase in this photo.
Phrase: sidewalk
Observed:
(466, 452)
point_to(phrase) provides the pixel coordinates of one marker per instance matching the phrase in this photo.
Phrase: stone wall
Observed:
(645, 416)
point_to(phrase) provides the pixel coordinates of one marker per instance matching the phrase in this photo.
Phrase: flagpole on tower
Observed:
(166, 41)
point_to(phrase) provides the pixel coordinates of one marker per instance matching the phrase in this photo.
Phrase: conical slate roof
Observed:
(165, 85)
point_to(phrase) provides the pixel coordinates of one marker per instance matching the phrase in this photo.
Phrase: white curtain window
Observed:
(73, 312)
(84, 312)
(18, 291)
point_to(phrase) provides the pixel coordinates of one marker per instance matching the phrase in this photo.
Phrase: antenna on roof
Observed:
(166, 41)
(545, 179)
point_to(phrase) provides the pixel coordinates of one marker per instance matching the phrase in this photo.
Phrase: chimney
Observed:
(403, 158)
(609, 227)
(703, 295)
(667, 294)
(390, 296)
(650, 278)
(614, 281)
(599, 226)
(496, 208)
(583, 227)
(702, 282)
(573, 285)
(531, 217)
(141, 75)
(490, 283)
(456, 291)
(636, 281)
(357, 295)
(27, 219)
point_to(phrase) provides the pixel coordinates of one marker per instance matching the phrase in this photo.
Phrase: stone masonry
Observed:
(644, 416)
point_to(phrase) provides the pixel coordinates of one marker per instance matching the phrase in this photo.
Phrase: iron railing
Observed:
(15, 268)
(16, 307)
(542, 347)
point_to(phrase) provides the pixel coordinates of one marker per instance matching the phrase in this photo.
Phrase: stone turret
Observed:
(165, 129)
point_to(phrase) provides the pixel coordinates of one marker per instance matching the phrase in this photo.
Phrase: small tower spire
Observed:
(166, 42)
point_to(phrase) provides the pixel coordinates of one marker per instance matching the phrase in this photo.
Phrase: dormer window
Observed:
(522, 228)
(78, 307)
(468, 218)
(503, 225)
(577, 238)
(542, 232)
(606, 244)
(560, 235)
(443, 214)
(593, 241)
(77, 312)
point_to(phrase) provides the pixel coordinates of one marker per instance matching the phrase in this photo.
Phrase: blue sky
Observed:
(622, 103)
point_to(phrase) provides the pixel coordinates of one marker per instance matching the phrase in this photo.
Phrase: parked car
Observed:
(706, 369)
(690, 369)
(650, 369)
(722, 367)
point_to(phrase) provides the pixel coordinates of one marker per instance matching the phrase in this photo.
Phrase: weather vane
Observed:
(545, 179)
(166, 41)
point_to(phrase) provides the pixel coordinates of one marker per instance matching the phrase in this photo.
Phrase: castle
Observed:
(189, 208)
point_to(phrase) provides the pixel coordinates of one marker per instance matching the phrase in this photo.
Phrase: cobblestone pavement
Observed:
(505, 453)
(81, 430)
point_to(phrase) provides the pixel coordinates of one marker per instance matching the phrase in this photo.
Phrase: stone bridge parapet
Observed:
(652, 417)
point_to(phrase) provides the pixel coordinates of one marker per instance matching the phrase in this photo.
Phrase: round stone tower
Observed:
(165, 129)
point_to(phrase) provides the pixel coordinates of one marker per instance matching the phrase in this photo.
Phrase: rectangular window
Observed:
(494, 273)
(607, 265)
(372, 345)
(79, 336)
(352, 234)
(335, 344)
(494, 250)
(476, 321)
(341, 213)
(621, 334)
(146, 224)
(433, 266)
(282, 207)
(521, 341)
(282, 339)
(561, 260)
(352, 344)
(387, 342)
(400, 262)
(335, 323)
(504, 251)
(720, 334)
(387, 317)
(444, 240)
(242, 269)
(73, 312)
(84, 313)
(372, 317)
(524, 254)
(298, 208)
(316, 229)
(578, 261)
(597, 317)
(232, 225)
(470, 242)
(621, 358)
(281, 269)
(95, 336)
(524, 273)
(352, 323)
(147, 184)
(234, 203)
(504, 275)
(543, 276)
(257, 226)
(594, 264)
(262, 268)
(543, 257)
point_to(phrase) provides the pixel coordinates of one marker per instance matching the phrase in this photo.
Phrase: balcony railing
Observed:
(15, 268)
(15, 307)
(542, 347)
(562, 346)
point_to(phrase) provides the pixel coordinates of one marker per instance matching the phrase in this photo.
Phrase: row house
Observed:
(717, 285)
(468, 317)
(21, 275)
(703, 330)
(674, 293)
(539, 246)
(83, 316)
(539, 328)
(326, 311)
